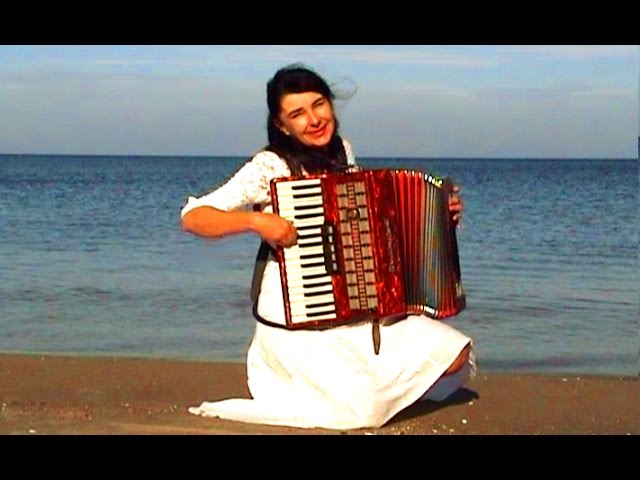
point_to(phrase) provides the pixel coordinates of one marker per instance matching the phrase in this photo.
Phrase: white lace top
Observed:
(249, 185)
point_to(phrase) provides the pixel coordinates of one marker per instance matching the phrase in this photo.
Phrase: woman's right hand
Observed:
(275, 229)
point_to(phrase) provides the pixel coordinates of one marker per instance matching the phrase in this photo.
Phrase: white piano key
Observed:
(297, 290)
(300, 202)
(325, 310)
(297, 250)
(319, 295)
(301, 289)
(306, 308)
(315, 312)
(299, 300)
(299, 186)
(308, 283)
(299, 281)
(329, 297)
(310, 232)
(297, 263)
(302, 318)
(302, 264)
(297, 183)
(307, 190)
(304, 222)
(295, 272)
(305, 242)
(291, 195)
(315, 208)
(292, 212)
(297, 287)
(294, 262)
(291, 198)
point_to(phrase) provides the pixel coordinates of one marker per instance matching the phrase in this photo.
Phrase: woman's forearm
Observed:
(210, 222)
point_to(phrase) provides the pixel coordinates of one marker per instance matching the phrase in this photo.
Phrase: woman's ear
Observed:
(281, 127)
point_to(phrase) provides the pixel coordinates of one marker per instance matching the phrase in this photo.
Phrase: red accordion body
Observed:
(371, 244)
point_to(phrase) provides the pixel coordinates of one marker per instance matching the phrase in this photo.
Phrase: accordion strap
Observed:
(258, 270)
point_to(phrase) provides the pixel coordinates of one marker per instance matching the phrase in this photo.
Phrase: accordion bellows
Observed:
(372, 244)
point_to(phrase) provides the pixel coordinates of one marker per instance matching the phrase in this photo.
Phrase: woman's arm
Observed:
(209, 222)
(226, 210)
(455, 205)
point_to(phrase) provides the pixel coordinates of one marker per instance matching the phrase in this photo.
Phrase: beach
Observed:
(90, 395)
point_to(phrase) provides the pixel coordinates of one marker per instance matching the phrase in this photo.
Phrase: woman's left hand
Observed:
(455, 205)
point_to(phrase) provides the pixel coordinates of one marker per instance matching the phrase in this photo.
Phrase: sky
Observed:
(458, 101)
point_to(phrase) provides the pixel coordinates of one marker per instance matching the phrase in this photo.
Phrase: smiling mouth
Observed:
(319, 132)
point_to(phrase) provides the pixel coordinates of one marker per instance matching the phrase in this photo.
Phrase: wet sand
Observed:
(67, 395)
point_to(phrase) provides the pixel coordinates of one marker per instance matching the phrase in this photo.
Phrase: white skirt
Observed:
(333, 378)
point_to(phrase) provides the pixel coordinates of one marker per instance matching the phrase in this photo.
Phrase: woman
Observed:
(318, 378)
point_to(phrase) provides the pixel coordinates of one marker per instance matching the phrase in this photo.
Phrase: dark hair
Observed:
(297, 78)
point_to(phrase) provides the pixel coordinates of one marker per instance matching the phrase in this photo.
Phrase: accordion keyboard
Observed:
(311, 262)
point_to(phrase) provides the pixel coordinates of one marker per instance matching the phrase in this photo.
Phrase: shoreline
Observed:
(554, 372)
(51, 394)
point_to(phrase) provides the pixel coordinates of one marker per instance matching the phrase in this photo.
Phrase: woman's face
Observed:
(307, 117)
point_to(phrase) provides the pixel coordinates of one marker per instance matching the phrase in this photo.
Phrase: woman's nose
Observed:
(313, 119)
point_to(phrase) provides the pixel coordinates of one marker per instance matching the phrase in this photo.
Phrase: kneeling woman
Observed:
(328, 378)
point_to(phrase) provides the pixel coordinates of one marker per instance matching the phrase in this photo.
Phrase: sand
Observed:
(68, 395)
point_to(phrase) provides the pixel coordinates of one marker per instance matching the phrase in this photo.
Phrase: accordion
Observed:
(372, 244)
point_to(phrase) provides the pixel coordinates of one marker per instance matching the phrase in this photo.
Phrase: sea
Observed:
(93, 261)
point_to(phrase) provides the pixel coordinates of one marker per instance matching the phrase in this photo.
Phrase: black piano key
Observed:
(322, 304)
(307, 195)
(308, 235)
(314, 276)
(305, 187)
(304, 216)
(310, 244)
(306, 207)
(307, 227)
(316, 284)
(310, 256)
(318, 314)
(316, 294)
(311, 265)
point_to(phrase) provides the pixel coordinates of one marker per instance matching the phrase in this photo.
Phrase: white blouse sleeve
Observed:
(248, 186)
